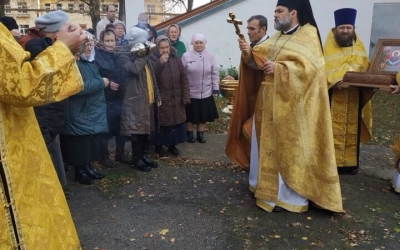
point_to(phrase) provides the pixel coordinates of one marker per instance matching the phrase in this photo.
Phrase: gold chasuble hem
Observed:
(296, 139)
(292, 208)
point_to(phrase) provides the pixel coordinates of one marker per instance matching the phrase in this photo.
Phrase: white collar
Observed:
(262, 39)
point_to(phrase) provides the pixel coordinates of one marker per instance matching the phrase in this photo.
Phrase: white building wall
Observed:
(222, 40)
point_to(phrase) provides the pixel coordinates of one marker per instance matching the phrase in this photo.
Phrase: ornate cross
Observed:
(236, 22)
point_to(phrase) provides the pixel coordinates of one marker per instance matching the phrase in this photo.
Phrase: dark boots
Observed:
(82, 176)
(120, 150)
(145, 152)
(137, 154)
(200, 137)
(105, 160)
(190, 136)
(92, 173)
(173, 150)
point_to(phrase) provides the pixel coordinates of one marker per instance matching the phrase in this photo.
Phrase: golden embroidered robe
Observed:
(33, 209)
(349, 131)
(293, 123)
(396, 145)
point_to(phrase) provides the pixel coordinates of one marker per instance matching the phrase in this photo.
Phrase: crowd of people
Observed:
(154, 99)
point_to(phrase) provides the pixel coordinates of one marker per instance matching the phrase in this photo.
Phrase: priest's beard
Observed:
(283, 25)
(344, 40)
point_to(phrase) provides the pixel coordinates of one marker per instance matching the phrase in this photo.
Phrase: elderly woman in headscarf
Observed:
(138, 116)
(173, 85)
(120, 33)
(86, 122)
(106, 61)
(202, 71)
(173, 32)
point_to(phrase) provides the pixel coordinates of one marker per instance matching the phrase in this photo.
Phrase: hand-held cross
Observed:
(236, 22)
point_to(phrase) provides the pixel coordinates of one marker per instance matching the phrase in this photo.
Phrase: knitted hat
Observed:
(9, 22)
(136, 35)
(52, 21)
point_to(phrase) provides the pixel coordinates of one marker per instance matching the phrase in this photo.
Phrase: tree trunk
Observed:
(94, 12)
(2, 7)
(121, 14)
(190, 5)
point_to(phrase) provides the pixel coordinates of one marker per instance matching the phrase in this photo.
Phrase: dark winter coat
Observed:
(51, 116)
(136, 115)
(33, 34)
(173, 85)
(109, 68)
(86, 113)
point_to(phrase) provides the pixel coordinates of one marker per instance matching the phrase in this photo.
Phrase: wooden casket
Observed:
(385, 64)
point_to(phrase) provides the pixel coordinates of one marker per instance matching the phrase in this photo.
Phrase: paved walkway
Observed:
(200, 202)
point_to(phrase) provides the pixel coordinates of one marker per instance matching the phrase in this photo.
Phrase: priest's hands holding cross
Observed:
(244, 46)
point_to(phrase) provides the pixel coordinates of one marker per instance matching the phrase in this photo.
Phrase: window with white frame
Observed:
(24, 29)
(59, 6)
(151, 8)
(22, 6)
(7, 9)
(81, 7)
(116, 8)
(47, 6)
(70, 6)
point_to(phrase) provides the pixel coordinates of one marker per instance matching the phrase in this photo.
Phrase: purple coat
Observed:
(202, 72)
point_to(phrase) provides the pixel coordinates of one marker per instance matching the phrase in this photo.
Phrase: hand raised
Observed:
(244, 46)
(164, 58)
(72, 37)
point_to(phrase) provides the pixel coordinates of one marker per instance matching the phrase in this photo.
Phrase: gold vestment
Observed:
(293, 123)
(396, 145)
(346, 103)
(37, 206)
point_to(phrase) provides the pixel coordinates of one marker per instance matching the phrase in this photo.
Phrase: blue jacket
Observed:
(86, 113)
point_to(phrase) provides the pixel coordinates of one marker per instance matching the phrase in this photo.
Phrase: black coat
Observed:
(50, 116)
(109, 68)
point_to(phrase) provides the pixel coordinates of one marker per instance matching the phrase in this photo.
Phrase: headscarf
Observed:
(160, 39)
(173, 25)
(198, 37)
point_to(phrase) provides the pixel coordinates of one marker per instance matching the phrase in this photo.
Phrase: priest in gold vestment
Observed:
(292, 123)
(33, 211)
(350, 107)
(396, 145)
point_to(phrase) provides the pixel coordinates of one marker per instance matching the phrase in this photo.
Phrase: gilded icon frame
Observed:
(386, 58)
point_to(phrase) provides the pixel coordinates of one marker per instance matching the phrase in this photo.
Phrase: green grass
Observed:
(385, 118)
(385, 123)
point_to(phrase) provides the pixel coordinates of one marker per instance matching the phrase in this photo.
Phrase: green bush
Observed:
(232, 71)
